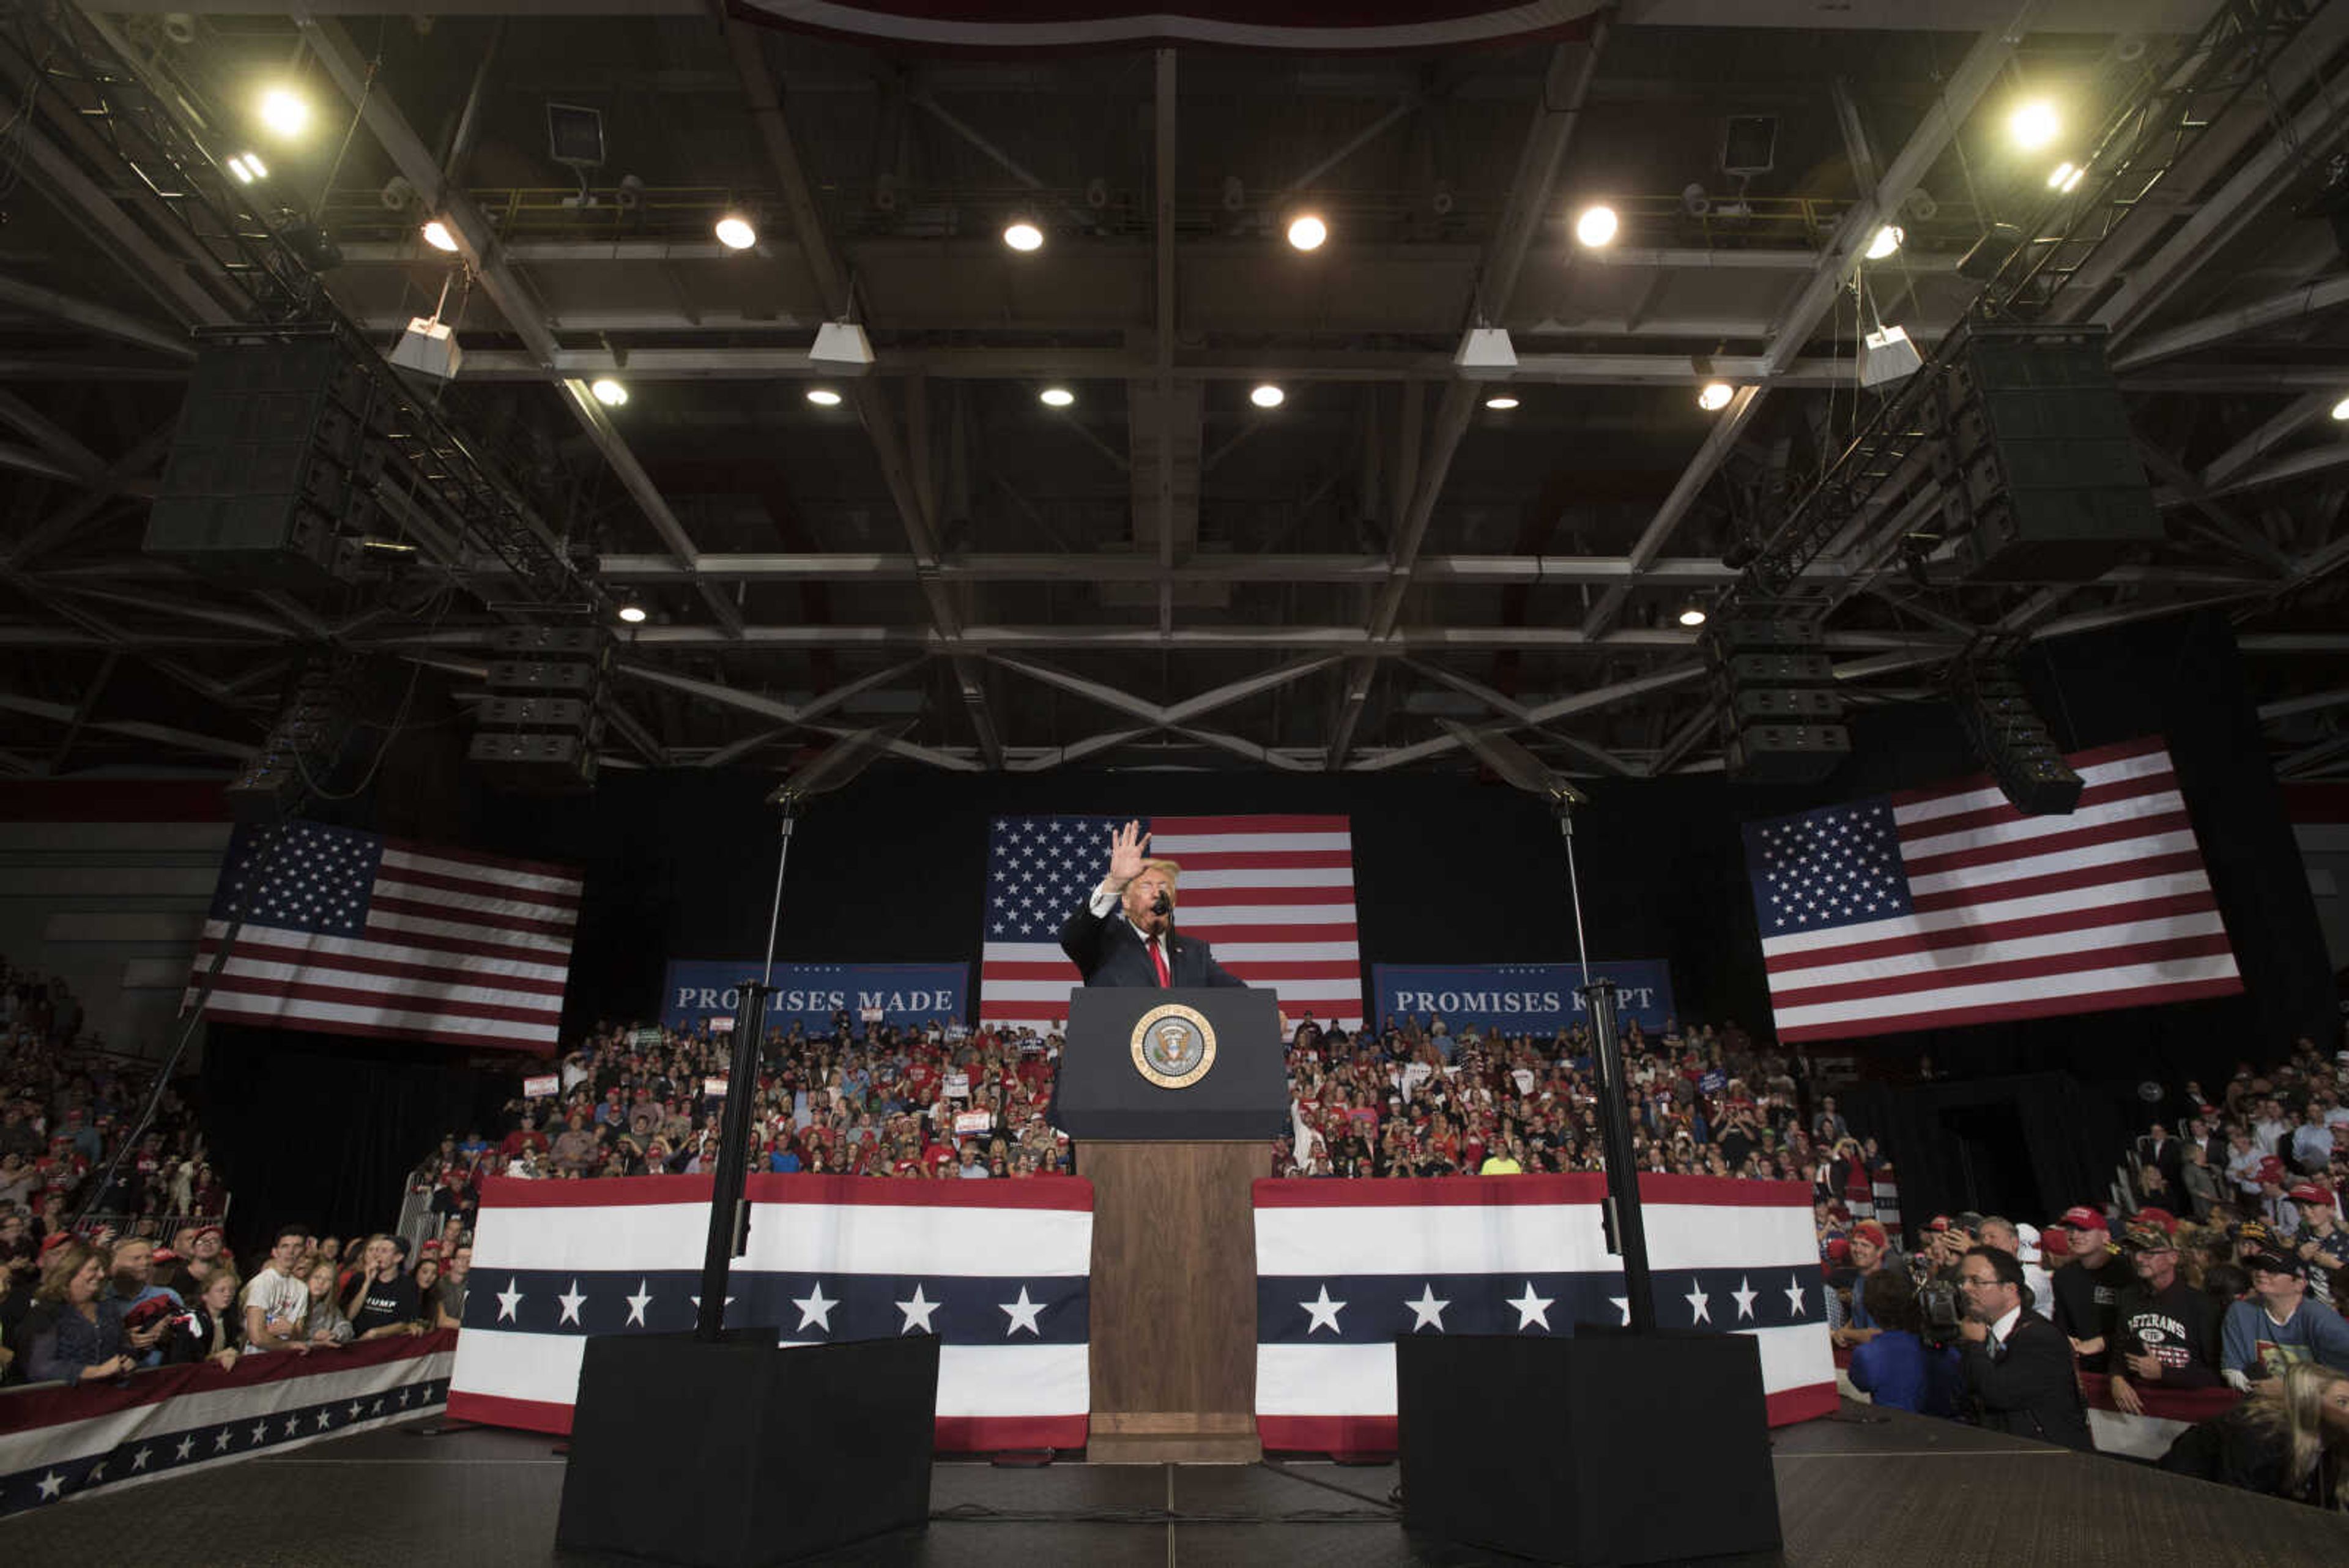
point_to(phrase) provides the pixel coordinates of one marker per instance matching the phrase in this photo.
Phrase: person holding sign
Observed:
(1124, 934)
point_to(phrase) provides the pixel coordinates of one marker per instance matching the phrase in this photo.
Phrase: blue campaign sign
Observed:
(810, 993)
(1520, 998)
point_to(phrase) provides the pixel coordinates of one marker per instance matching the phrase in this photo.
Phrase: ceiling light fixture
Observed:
(248, 167)
(1268, 396)
(1888, 240)
(284, 112)
(1500, 403)
(1715, 396)
(608, 391)
(437, 235)
(1022, 235)
(1307, 231)
(1056, 397)
(823, 397)
(1595, 226)
(735, 233)
(632, 612)
(2033, 125)
(2341, 409)
(1693, 613)
(2066, 178)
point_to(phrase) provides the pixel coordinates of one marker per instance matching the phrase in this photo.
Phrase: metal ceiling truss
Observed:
(2115, 251)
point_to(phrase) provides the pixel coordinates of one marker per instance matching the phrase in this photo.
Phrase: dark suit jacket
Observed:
(1106, 952)
(2027, 1389)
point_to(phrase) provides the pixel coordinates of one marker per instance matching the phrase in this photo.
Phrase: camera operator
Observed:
(2017, 1367)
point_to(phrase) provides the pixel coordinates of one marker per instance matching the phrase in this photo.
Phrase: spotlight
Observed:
(823, 397)
(1267, 396)
(437, 235)
(1056, 397)
(1888, 240)
(2033, 125)
(1715, 396)
(248, 168)
(608, 392)
(735, 233)
(632, 612)
(1306, 232)
(2066, 178)
(284, 112)
(1693, 613)
(1023, 235)
(1502, 402)
(2341, 409)
(1595, 226)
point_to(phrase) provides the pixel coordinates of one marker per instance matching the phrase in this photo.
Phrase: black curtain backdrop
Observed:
(680, 864)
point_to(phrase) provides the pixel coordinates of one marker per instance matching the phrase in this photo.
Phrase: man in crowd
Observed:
(2016, 1366)
(2312, 1140)
(131, 1285)
(199, 1250)
(385, 1301)
(2088, 1289)
(2320, 1242)
(2167, 1331)
(449, 1295)
(1998, 1231)
(2280, 1324)
(277, 1299)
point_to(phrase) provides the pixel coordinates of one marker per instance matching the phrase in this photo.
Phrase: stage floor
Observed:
(1865, 1490)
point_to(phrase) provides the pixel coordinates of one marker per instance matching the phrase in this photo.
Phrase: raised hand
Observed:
(1126, 849)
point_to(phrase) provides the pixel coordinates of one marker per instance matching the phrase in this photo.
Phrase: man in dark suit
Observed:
(2017, 1365)
(1124, 933)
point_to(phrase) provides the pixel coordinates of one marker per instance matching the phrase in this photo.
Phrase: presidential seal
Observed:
(1174, 1046)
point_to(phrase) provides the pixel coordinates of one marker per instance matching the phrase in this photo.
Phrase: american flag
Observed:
(353, 933)
(1949, 906)
(1273, 894)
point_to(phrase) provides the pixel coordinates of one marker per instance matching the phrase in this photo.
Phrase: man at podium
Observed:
(1124, 934)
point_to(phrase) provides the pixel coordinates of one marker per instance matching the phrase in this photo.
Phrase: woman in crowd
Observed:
(428, 1278)
(324, 1323)
(71, 1335)
(208, 1330)
(2289, 1439)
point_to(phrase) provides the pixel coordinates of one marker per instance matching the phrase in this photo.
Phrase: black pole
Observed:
(729, 1206)
(1622, 1171)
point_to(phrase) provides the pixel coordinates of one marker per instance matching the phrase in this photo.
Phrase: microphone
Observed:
(1161, 905)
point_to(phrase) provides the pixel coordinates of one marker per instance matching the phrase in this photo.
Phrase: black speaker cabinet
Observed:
(740, 1454)
(1606, 1448)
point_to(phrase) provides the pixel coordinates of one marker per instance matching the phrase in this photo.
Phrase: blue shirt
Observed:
(1897, 1370)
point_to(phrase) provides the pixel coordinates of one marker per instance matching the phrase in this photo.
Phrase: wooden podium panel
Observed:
(1173, 1301)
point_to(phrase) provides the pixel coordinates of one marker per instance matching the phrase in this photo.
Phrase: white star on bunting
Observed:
(638, 1303)
(1744, 1295)
(1324, 1312)
(814, 1309)
(187, 1446)
(1623, 1305)
(508, 1300)
(1426, 1311)
(1697, 1300)
(139, 1459)
(1531, 1308)
(1795, 1295)
(572, 1301)
(1023, 1315)
(917, 1312)
(51, 1483)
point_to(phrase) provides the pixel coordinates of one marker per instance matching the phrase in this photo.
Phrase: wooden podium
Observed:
(1173, 1260)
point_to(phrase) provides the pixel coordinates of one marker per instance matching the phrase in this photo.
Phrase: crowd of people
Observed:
(2218, 1268)
(2233, 1289)
(939, 1101)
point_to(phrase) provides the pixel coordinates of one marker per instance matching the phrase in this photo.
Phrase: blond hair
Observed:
(2294, 1404)
(1173, 869)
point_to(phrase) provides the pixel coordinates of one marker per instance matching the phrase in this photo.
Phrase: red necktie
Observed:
(1158, 959)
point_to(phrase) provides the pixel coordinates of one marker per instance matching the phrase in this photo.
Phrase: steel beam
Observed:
(102, 319)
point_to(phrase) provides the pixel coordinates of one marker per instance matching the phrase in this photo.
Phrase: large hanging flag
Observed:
(353, 933)
(1273, 894)
(1321, 27)
(1948, 906)
(996, 1270)
(1344, 1269)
